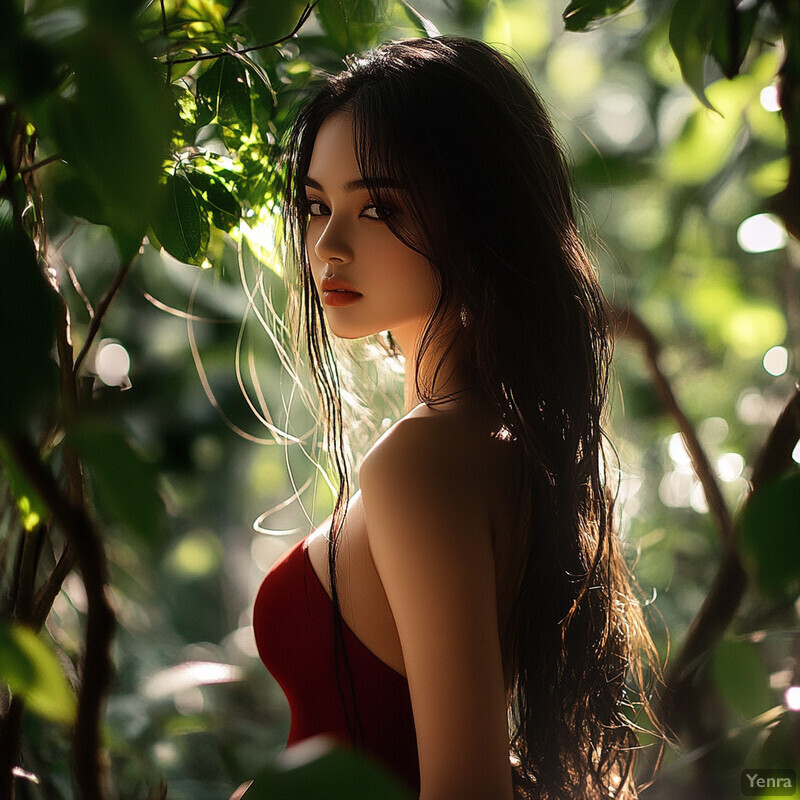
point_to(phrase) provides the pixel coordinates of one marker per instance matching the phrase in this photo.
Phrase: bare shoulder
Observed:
(458, 460)
(454, 448)
(429, 533)
(428, 462)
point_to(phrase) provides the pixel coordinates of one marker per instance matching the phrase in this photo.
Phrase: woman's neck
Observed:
(452, 378)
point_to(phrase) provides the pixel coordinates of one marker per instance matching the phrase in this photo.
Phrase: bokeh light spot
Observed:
(792, 698)
(761, 233)
(730, 466)
(197, 554)
(769, 98)
(776, 360)
(677, 450)
(112, 363)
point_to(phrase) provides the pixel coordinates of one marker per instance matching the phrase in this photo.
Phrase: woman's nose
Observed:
(333, 243)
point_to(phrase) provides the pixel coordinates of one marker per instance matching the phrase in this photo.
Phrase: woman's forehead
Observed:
(333, 153)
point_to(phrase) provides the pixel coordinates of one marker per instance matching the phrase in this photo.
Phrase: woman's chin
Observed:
(348, 332)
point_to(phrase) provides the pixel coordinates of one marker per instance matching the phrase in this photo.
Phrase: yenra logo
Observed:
(781, 782)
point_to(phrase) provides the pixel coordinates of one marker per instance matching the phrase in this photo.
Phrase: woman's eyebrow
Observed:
(358, 183)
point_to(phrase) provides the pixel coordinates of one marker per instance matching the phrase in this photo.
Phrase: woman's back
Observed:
(487, 467)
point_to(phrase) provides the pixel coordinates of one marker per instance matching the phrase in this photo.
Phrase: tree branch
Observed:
(49, 590)
(89, 765)
(629, 324)
(101, 310)
(721, 603)
(680, 704)
(39, 164)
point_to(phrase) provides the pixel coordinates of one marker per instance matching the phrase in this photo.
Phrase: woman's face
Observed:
(350, 246)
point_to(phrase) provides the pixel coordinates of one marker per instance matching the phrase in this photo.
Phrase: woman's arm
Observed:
(429, 534)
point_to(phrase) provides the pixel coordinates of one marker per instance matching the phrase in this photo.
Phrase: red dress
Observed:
(293, 624)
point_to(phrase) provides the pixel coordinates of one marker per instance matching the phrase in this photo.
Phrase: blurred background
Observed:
(674, 209)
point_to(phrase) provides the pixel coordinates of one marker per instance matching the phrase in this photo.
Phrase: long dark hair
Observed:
(489, 205)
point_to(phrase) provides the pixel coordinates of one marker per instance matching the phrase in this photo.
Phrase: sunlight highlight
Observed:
(776, 360)
(761, 233)
(112, 364)
(792, 698)
(769, 98)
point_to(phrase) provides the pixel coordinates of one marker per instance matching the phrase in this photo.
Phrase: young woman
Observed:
(466, 617)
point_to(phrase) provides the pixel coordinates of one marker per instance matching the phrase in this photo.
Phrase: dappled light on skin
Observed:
(792, 698)
(761, 233)
(776, 360)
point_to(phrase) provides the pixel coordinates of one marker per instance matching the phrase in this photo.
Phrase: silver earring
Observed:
(465, 316)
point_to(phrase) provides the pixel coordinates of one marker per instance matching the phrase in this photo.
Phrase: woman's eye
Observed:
(315, 208)
(376, 212)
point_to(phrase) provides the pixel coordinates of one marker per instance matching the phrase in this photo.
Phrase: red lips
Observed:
(332, 284)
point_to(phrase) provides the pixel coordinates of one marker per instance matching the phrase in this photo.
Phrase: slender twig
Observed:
(39, 164)
(776, 454)
(630, 325)
(721, 603)
(49, 590)
(165, 34)
(76, 284)
(101, 310)
(723, 599)
(235, 53)
(80, 529)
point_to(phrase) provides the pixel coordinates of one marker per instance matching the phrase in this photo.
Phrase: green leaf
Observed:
(741, 678)
(32, 671)
(125, 484)
(352, 25)
(768, 535)
(470, 13)
(182, 225)
(27, 371)
(114, 129)
(423, 26)
(31, 507)
(218, 200)
(691, 30)
(223, 95)
(707, 140)
(580, 15)
(270, 20)
(731, 37)
(76, 196)
(318, 768)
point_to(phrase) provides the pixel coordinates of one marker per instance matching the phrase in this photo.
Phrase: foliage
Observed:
(141, 141)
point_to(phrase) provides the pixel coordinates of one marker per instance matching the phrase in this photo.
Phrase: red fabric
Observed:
(293, 624)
